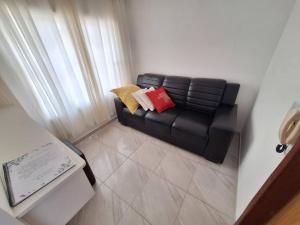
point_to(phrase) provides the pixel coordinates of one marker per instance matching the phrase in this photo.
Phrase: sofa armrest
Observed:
(221, 133)
(119, 110)
(225, 118)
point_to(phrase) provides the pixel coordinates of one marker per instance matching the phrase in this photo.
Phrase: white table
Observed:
(60, 200)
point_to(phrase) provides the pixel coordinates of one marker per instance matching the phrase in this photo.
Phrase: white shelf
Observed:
(18, 135)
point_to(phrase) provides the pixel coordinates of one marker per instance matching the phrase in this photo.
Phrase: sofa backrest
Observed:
(150, 80)
(230, 93)
(177, 88)
(198, 94)
(205, 95)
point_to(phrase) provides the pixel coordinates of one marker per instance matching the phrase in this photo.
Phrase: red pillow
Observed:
(160, 99)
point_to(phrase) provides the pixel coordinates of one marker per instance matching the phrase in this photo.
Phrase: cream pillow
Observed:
(143, 99)
(147, 100)
(138, 97)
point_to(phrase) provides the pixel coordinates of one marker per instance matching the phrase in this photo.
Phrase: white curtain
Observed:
(60, 58)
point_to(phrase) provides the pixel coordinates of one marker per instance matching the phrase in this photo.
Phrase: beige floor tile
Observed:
(132, 218)
(159, 202)
(105, 162)
(149, 155)
(162, 144)
(177, 169)
(104, 208)
(214, 188)
(124, 142)
(189, 155)
(195, 212)
(142, 137)
(128, 181)
(90, 146)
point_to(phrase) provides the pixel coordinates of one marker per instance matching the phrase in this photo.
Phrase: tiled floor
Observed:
(144, 181)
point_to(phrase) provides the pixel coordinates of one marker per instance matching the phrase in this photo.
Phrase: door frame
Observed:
(278, 190)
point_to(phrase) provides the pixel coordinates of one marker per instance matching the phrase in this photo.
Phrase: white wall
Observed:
(280, 88)
(228, 39)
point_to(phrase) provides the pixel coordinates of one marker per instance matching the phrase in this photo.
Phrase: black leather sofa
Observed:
(203, 120)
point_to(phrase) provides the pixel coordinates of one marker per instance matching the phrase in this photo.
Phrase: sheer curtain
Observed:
(62, 57)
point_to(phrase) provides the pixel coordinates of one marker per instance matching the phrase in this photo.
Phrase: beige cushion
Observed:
(125, 94)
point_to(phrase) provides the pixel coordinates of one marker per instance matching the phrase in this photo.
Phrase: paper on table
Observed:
(32, 171)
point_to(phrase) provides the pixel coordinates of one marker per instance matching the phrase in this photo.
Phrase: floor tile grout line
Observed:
(122, 131)
(108, 146)
(206, 203)
(209, 208)
(140, 164)
(115, 170)
(182, 158)
(154, 170)
(116, 194)
(164, 180)
(186, 193)
(141, 188)
(139, 213)
(126, 158)
(110, 173)
(179, 210)
(128, 204)
(215, 169)
(116, 151)
(176, 185)
(162, 177)
(167, 181)
(158, 175)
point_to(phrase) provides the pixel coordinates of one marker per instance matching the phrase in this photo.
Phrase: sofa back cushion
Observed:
(205, 95)
(177, 88)
(198, 94)
(150, 80)
(230, 94)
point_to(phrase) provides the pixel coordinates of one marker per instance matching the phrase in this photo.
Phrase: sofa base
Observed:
(191, 147)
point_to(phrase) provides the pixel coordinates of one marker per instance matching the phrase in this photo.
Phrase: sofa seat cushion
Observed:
(135, 120)
(139, 113)
(167, 117)
(193, 123)
(159, 124)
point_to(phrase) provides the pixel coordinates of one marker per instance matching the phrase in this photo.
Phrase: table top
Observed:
(19, 134)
